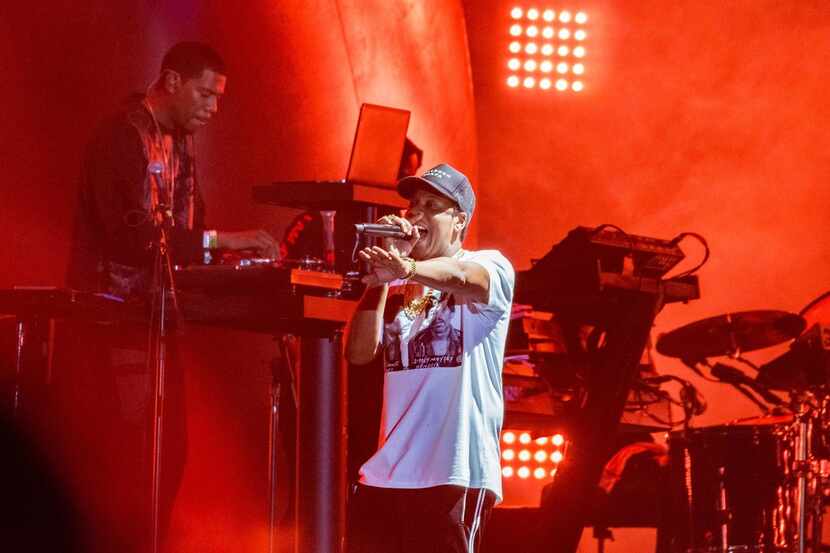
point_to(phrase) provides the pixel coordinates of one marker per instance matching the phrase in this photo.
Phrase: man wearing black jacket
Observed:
(140, 158)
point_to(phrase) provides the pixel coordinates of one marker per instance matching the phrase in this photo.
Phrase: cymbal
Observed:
(764, 420)
(730, 334)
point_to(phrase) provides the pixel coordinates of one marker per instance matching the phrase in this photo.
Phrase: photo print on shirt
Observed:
(438, 341)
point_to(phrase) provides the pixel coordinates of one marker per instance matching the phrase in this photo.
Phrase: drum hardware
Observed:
(802, 469)
(730, 334)
(730, 464)
(723, 511)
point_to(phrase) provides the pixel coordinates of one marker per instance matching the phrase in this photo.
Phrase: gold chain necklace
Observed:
(419, 305)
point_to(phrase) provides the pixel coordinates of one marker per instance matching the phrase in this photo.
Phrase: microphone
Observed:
(386, 231)
(155, 168)
(735, 376)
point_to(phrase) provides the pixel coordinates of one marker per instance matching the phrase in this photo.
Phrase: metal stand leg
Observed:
(723, 510)
(272, 454)
(160, 357)
(801, 461)
(21, 344)
(33, 362)
(321, 463)
(285, 363)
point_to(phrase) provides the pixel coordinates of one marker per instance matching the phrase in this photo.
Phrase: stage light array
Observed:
(524, 457)
(547, 49)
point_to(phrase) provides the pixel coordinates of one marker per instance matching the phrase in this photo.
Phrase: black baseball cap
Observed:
(447, 181)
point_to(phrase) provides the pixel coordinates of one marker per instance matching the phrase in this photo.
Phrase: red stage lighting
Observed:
(535, 23)
(527, 470)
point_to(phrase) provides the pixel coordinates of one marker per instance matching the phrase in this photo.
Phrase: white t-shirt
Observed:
(442, 394)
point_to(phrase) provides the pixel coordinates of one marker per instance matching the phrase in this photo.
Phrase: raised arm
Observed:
(448, 274)
(365, 330)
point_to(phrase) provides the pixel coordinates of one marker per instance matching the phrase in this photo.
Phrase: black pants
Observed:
(104, 402)
(442, 519)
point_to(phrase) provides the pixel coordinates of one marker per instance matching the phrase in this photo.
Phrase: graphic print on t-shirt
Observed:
(435, 339)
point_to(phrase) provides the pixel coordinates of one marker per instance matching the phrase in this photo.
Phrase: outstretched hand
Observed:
(390, 262)
(386, 265)
(258, 240)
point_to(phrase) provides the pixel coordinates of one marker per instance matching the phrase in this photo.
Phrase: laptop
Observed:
(371, 175)
(378, 146)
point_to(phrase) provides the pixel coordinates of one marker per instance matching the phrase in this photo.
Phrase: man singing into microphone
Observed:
(439, 315)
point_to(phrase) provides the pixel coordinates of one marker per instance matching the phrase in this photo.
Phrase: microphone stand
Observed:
(163, 286)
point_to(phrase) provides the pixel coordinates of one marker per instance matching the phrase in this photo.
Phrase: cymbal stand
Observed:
(287, 348)
(803, 457)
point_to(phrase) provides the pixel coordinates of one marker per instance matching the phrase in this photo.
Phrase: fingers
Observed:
(375, 255)
(265, 244)
(405, 225)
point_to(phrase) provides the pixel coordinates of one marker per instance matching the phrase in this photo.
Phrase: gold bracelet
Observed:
(411, 270)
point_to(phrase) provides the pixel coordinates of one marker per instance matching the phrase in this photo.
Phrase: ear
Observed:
(461, 221)
(171, 81)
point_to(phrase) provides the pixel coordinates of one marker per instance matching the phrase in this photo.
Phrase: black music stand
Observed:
(612, 281)
(320, 459)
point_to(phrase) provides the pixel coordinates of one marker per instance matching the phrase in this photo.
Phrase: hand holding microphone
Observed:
(389, 262)
(382, 230)
(398, 233)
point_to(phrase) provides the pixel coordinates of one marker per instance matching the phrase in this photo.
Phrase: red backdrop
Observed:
(298, 72)
(700, 116)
